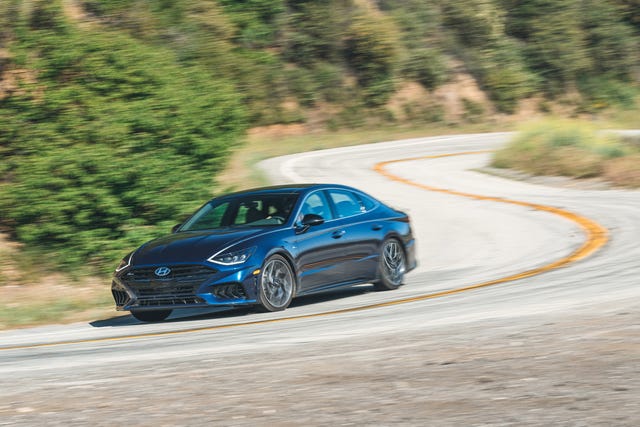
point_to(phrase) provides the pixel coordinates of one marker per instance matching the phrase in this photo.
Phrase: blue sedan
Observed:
(264, 247)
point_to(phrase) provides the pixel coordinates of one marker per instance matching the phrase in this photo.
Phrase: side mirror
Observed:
(175, 228)
(309, 220)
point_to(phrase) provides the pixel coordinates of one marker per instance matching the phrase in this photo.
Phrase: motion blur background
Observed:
(118, 118)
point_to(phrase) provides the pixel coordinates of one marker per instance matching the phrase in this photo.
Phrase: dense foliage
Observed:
(108, 140)
(116, 115)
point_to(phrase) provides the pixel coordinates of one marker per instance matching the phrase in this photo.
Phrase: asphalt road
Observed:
(559, 348)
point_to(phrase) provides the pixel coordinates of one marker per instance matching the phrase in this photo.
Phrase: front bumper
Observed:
(188, 286)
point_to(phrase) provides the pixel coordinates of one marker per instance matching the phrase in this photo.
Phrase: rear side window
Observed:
(346, 203)
(368, 203)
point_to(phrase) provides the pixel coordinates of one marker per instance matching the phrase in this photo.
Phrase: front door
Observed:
(320, 248)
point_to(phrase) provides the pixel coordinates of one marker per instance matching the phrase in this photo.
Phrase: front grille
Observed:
(182, 273)
(230, 291)
(179, 287)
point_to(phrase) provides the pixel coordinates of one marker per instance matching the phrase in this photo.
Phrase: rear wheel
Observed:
(151, 315)
(392, 266)
(276, 284)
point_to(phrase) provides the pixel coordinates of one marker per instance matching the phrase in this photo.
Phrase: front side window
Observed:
(316, 203)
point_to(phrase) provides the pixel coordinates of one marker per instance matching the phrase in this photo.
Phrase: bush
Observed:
(372, 48)
(568, 148)
(477, 23)
(473, 111)
(504, 75)
(314, 31)
(112, 144)
(426, 66)
(330, 82)
(605, 92)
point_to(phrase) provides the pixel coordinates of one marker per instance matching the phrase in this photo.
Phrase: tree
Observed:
(111, 141)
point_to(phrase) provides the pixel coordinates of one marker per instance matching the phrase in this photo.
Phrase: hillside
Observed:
(116, 116)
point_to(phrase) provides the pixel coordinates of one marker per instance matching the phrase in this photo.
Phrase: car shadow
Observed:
(330, 295)
(188, 315)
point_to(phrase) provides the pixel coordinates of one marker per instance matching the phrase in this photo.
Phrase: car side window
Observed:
(346, 203)
(367, 203)
(316, 203)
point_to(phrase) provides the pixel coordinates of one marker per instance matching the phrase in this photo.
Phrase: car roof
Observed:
(288, 188)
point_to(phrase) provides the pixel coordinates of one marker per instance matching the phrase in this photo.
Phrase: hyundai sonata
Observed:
(264, 247)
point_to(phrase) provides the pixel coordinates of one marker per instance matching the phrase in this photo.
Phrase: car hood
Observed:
(190, 246)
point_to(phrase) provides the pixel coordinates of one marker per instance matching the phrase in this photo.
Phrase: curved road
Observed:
(562, 347)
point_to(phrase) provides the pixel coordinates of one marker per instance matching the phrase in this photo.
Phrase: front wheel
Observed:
(275, 284)
(392, 266)
(151, 315)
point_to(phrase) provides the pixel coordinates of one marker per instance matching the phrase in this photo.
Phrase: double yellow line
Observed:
(596, 237)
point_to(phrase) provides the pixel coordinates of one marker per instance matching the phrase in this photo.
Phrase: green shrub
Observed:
(372, 49)
(504, 75)
(329, 79)
(476, 23)
(378, 92)
(303, 85)
(420, 112)
(314, 31)
(603, 92)
(426, 66)
(561, 147)
(105, 7)
(111, 144)
(256, 20)
(473, 111)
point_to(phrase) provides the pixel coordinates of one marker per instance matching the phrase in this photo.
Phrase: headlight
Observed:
(232, 258)
(126, 262)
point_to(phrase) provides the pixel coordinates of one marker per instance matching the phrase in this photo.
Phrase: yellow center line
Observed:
(596, 237)
(596, 234)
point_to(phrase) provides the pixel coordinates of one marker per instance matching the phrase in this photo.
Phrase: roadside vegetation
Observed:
(575, 149)
(117, 117)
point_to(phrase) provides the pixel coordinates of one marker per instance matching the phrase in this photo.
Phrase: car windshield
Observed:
(249, 210)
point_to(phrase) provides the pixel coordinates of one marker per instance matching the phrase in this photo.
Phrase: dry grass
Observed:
(624, 171)
(30, 295)
(54, 300)
(571, 148)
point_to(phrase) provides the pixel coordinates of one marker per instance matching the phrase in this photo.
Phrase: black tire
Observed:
(151, 316)
(276, 284)
(392, 265)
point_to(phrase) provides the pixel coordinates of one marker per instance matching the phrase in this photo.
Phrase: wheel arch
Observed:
(292, 265)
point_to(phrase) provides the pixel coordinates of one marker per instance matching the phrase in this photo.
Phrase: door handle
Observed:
(338, 234)
(376, 227)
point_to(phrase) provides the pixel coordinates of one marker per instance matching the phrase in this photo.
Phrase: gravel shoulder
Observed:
(572, 369)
